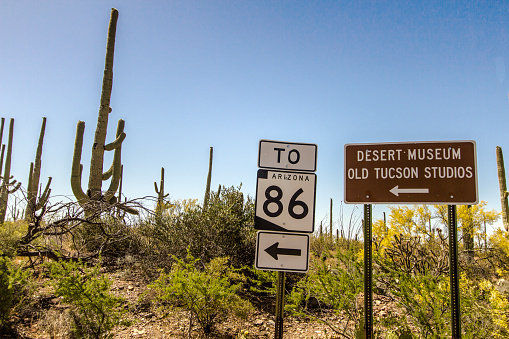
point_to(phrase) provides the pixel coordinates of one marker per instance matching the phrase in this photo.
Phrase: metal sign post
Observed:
(368, 278)
(453, 273)
(285, 202)
(280, 304)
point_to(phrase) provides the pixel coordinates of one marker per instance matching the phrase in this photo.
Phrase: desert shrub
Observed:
(426, 301)
(485, 309)
(223, 228)
(208, 294)
(11, 233)
(95, 310)
(16, 288)
(333, 283)
(109, 235)
(262, 282)
(416, 274)
(499, 253)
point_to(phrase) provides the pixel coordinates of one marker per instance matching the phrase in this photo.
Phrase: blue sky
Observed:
(189, 75)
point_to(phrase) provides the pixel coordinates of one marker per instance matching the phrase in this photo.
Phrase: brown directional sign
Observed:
(438, 172)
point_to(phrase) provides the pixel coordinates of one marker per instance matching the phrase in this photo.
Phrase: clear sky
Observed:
(189, 75)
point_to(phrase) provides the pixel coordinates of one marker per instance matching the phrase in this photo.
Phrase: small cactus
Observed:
(7, 187)
(160, 194)
(35, 202)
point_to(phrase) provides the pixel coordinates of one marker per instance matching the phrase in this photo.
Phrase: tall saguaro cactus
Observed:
(96, 162)
(34, 204)
(503, 188)
(97, 176)
(209, 177)
(7, 187)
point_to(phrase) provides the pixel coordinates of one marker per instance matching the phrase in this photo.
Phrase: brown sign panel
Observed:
(439, 172)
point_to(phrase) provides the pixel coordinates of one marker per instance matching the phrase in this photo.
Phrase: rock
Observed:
(502, 286)
(258, 322)
(271, 323)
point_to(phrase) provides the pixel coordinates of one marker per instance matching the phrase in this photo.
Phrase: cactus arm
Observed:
(115, 180)
(2, 129)
(116, 143)
(77, 167)
(43, 199)
(108, 173)
(116, 165)
(2, 159)
(30, 182)
(18, 185)
(37, 164)
(120, 184)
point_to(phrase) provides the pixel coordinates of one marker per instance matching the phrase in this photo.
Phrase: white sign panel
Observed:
(276, 251)
(287, 155)
(285, 201)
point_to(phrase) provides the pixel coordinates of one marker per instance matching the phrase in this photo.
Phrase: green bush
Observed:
(95, 310)
(415, 272)
(11, 233)
(16, 288)
(333, 283)
(208, 294)
(223, 229)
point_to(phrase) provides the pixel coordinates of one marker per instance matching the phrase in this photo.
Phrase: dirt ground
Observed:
(52, 320)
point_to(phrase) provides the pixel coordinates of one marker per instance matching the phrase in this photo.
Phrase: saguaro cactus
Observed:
(7, 187)
(34, 204)
(209, 177)
(503, 188)
(96, 177)
(160, 193)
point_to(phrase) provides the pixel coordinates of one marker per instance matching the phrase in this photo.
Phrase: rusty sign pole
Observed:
(453, 273)
(280, 303)
(368, 278)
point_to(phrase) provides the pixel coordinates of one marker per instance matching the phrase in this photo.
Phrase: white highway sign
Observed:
(287, 155)
(285, 201)
(277, 251)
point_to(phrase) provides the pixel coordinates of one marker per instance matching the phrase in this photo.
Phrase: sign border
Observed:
(308, 235)
(286, 143)
(416, 202)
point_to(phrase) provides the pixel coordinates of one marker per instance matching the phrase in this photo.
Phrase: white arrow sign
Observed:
(278, 251)
(396, 190)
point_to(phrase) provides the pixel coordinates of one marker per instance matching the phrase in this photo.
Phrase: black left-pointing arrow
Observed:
(274, 251)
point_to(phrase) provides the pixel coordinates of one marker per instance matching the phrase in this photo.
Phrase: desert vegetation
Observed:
(99, 266)
(197, 262)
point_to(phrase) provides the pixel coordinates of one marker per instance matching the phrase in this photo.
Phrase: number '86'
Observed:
(276, 200)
